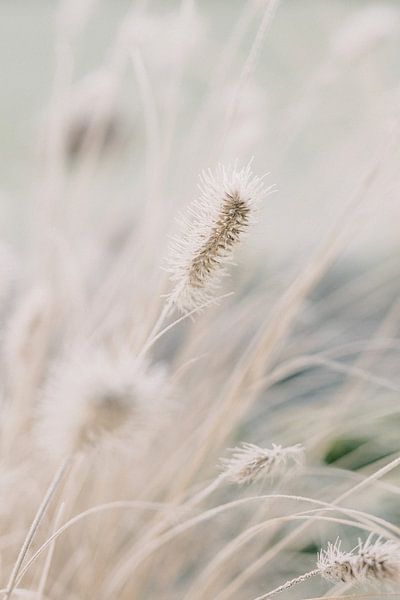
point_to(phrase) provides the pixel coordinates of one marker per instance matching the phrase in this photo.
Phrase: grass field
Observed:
(199, 300)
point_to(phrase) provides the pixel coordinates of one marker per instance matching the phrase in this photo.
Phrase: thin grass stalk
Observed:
(250, 64)
(267, 343)
(57, 479)
(49, 557)
(129, 504)
(293, 535)
(121, 576)
(288, 585)
(218, 564)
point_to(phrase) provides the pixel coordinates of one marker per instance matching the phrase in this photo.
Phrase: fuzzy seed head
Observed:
(370, 562)
(250, 463)
(94, 397)
(212, 228)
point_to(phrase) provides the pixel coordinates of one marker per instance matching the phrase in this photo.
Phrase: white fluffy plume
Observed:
(214, 225)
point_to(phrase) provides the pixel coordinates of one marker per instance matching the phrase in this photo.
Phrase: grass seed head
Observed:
(250, 463)
(370, 562)
(94, 397)
(214, 225)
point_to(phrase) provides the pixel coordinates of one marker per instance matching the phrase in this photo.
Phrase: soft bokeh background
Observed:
(109, 110)
(328, 71)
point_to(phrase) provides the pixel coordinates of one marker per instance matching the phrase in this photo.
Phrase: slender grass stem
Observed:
(57, 479)
(288, 584)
